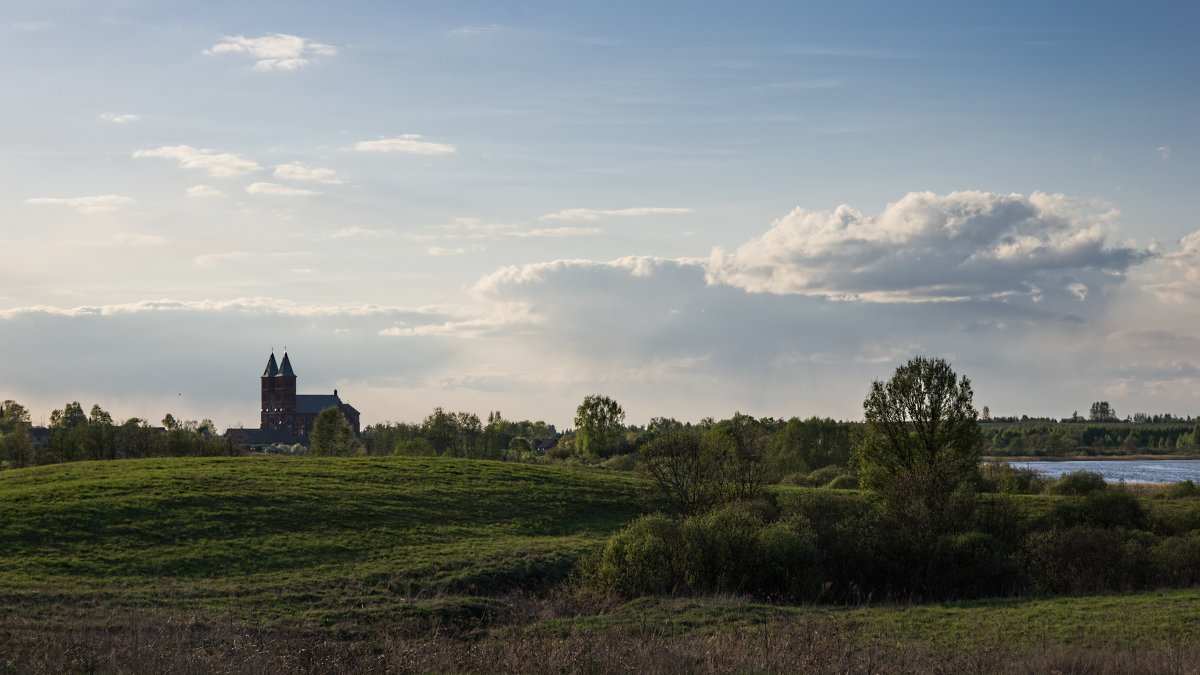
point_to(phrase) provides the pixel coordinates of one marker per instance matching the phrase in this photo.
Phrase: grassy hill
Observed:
(266, 537)
(416, 564)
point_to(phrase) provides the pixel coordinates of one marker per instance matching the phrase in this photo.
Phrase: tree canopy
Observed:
(331, 434)
(921, 439)
(599, 424)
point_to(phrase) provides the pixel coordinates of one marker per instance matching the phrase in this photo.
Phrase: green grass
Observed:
(270, 536)
(427, 562)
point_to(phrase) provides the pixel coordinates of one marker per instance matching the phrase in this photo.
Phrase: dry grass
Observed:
(536, 635)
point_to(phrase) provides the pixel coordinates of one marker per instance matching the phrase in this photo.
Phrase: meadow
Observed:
(402, 564)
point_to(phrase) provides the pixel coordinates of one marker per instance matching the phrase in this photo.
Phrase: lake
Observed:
(1129, 470)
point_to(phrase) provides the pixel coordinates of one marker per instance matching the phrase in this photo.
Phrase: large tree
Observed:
(331, 434)
(599, 423)
(921, 440)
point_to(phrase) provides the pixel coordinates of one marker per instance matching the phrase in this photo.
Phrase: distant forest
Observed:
(790, 448)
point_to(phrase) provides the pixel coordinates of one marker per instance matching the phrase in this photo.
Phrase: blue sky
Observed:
(695, 208)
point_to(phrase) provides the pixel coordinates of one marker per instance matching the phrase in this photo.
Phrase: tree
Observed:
(331, 434)
(921, 439)
(599, 423)
(688, 466)
(747, 461)
(1102, 412)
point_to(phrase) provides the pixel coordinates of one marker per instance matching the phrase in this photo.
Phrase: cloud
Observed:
(1178, 281)
(202, 191)
(297, 171)
(935, 248)
(1164, 153)
(355, 231)
(97, 204)
(555, 232)
(440, 251)
(125, 240)
(278, 190)
(214, 259)
(410, 143)
(259, 305)
(119, 118)
(216, 164)
(597, 214)
(277, 51)
(32, 26)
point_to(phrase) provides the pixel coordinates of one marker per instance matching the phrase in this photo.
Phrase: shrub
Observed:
(1108, 508)
(641, 559)
(1178, 490)
(1078, 483)
(843, 482)
(1176, 560)
(619, 463)
(1084, 559)
(1007, 479)
(822, 476)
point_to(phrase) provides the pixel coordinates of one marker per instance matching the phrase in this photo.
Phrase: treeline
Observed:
(75, 436)
(785, 449)
(1063, 439)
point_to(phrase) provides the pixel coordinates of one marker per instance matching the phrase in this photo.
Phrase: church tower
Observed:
(269, 418)
(285, 394)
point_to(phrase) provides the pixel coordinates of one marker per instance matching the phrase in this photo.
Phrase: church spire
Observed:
(273, 370)
(285, 367)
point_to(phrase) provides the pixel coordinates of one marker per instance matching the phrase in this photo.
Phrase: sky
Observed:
(696, 208)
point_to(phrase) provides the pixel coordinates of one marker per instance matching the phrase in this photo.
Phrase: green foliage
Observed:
(1006, 479)
(1077, 483)
(689, 468)
(742, 547)
(921, 440)
(843, 482)
(331, 433)
(599, 426)
(1178, 490)
(822, 477)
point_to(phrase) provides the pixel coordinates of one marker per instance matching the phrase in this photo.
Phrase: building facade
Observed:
(285, 410)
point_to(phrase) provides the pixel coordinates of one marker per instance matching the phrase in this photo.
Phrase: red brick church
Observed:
(285, 410)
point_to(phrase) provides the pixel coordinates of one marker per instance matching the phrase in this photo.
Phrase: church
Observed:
(286, 411)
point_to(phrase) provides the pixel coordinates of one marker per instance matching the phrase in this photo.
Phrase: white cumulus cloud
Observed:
(928, 247)
(215, 163)
(277, 51)
(409, 143)
(200, 191)
(97, 204)
(297, 171)
(278, 190)
(1164, 153)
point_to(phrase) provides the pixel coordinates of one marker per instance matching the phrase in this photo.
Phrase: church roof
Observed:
(272, 370)
(285, 367)
(315, 403)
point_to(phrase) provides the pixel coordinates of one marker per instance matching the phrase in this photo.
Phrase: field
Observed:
(413, 564)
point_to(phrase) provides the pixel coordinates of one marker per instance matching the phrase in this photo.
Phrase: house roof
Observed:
(272, 370)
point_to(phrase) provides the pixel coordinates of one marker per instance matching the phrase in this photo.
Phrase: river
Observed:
(1129, 470)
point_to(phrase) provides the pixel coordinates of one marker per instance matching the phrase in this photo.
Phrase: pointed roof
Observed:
(272, 370)
(285, 367)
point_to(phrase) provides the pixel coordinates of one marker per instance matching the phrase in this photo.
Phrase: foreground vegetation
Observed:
(417, 564)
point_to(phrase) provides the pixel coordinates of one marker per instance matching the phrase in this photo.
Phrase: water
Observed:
(1131, 470)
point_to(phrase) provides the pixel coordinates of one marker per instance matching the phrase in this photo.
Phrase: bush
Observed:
(619, 463)
(1078, 483)
(821, 477)
(1084, 559)
(843, 482)
(1108, 508)
(1007, 479)
(1176, 560)
(641, 559)
(1179, 490)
